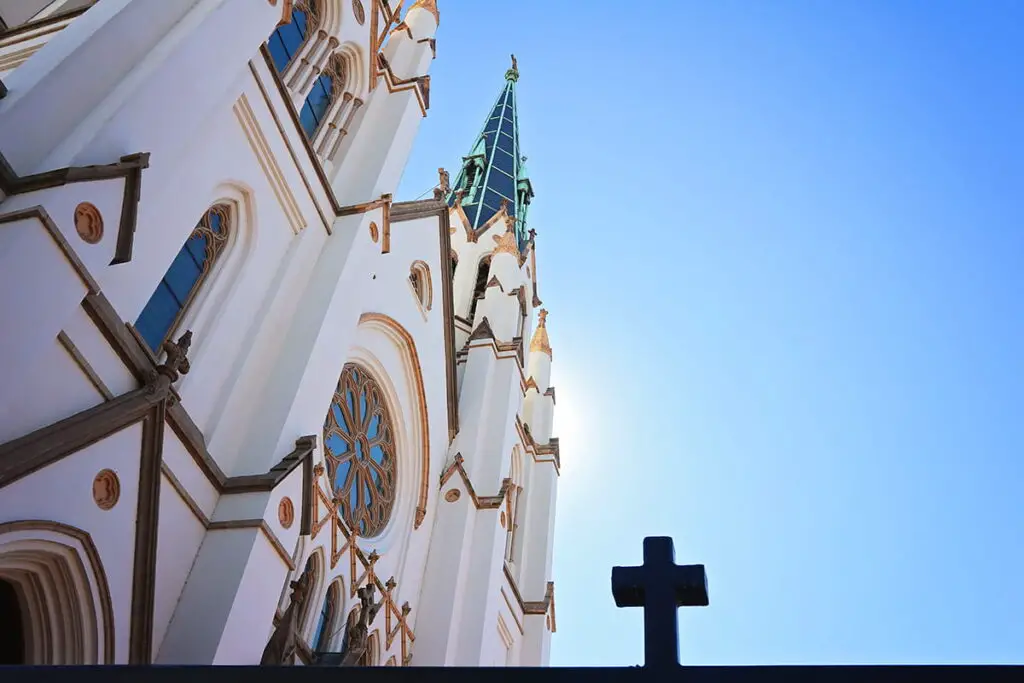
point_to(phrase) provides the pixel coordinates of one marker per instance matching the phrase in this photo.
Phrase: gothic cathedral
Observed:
(254, 409)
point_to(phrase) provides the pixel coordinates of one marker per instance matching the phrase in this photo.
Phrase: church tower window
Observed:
(285, 42)
(360, 452)
(481, 284)
(188, 271)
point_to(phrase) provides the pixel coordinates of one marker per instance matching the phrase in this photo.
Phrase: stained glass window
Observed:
(360, 452)
(322, 634)
(179, 285)
(288, 38)
(317, 102)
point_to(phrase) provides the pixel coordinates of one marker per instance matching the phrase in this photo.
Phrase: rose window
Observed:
(360, 451)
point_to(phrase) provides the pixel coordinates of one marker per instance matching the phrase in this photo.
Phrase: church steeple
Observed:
(495, 169)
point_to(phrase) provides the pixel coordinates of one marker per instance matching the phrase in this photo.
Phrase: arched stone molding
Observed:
(220, 286)
(318, 588)
(348, 97)
(423, 287)
(57, 573)
(414, 428)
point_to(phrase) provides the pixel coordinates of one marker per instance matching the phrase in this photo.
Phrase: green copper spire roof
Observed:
(495, 170)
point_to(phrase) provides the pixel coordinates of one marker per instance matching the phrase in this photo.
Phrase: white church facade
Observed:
(253, 408)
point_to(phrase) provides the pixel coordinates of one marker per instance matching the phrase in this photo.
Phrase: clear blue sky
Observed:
(783, 249)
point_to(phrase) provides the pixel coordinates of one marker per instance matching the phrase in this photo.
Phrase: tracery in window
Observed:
(360, 452)
(178, 287)
(285, 42)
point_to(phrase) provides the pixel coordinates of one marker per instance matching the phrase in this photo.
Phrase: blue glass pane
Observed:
(308, 119)
(196, 246)
(341, 476)
(377, 453)
(182, 276)
(353, 496)
(157, 317)
(278, 53)
(362, 408)
(287, 39)
(350, 398)
(339, 418)
(366, 492)
(316, 105)
(371, 429)
(216, 222)
(336, 445)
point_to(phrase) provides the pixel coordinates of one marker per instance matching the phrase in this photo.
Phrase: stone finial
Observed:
(175, 365)
(507, 243)
(443, 188)
(430, 6)
(540, 335)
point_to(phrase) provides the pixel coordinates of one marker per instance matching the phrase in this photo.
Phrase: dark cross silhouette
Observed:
(660, 586)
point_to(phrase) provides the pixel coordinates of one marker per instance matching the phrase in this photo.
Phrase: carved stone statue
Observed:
(281, 648)
(358, 637)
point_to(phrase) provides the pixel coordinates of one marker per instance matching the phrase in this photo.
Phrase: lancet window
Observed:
(285, 42)
(359, 446)
(325, 622)
(482, 271)
(179, 286)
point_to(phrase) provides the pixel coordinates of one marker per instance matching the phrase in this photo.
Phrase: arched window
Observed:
(12, 643)
(326, 88)
(285, 42)
(482, 271)
(325, 623)
(422, 287)
(190, 268)
(359, 446)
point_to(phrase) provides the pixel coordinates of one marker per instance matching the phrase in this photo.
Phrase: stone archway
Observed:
(52, 581)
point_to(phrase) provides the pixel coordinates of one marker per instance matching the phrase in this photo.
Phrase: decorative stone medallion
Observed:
(286, 512)
(106, 489)
(502, 519)
(452, 495)
(374, 232)
(357, 9)
(88, 223)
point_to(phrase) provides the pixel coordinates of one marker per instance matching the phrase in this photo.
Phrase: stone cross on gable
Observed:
(660, 586)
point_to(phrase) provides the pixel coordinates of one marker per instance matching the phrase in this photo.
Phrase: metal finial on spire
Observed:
(513, 73)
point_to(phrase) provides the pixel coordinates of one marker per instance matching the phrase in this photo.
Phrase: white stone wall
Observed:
(300, 291)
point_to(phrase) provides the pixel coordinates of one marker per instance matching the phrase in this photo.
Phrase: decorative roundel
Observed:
(88, 223)
(374, 232)
(359, 446)
(452, 495)
(106, 489)
(286, 512)
(357, 10)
